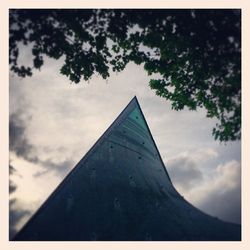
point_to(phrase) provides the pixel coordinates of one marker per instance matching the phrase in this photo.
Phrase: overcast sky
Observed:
(54, 123)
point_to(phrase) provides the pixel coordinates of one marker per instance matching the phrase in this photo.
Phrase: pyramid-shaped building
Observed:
(121, 191)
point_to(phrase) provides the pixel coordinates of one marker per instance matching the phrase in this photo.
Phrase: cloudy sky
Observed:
(54, 123)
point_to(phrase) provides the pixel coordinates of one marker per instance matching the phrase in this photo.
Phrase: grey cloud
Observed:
(223, 193)
(184, 172)
(15, 215)
(218, 193)
(230, 151)
(18, 141)
(60, 168)
(21, 145)
(187, 168)
(60, 149)
(226, 206)
(12, 185)
(12, 170)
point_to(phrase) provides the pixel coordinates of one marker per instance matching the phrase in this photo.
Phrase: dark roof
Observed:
(120, 190)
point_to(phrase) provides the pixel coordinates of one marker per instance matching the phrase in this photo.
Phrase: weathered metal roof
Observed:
(120, 190)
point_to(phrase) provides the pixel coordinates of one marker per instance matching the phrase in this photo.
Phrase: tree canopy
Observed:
(192, 56)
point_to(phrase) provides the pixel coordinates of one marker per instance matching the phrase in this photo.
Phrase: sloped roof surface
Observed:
(120, 190)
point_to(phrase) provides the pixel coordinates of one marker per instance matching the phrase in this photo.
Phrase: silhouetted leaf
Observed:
(196, 53)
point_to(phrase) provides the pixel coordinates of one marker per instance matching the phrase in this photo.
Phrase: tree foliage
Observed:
(193, 56)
